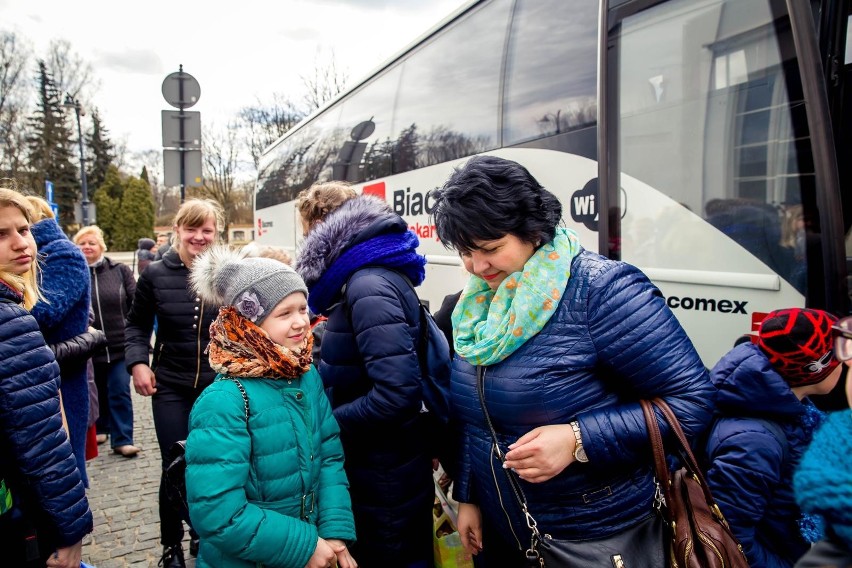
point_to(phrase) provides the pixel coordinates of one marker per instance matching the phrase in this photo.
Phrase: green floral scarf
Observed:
(489, 326)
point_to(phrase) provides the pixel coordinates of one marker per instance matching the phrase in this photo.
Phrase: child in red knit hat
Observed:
(764, 423)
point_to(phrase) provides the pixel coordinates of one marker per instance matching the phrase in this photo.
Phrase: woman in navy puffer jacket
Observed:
(39, 479)
(370, 366)
(565, 343)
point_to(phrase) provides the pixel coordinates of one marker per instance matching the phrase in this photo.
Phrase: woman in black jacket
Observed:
(113, 287)
(180, 369)
(371, 368)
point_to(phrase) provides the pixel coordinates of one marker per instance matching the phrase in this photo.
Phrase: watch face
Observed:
(580, 454)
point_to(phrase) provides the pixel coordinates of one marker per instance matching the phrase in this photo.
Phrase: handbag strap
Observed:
(237, 382)
(532, 554)
(683, 449)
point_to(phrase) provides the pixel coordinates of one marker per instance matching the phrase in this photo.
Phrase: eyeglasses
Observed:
(843, 339)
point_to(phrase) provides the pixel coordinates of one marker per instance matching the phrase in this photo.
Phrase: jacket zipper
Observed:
(100, 311)
(198, 346)
(492, 459)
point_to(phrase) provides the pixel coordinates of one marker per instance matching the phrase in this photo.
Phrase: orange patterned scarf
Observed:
(241, 349)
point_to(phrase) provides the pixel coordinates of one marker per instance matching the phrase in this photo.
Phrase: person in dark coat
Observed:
(180, 368)
(64, 314)
(765, 421)
(562, 344)
(113, 288)
(145, 254)
(443, 318)
(41, 490)
(371, 368)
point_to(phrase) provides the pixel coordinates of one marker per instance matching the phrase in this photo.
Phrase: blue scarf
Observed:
(397, 251)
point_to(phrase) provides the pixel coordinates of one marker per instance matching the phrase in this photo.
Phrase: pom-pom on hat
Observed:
(254, 286)
(798, 343)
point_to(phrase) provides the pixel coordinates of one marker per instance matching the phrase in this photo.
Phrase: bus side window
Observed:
(551, 83)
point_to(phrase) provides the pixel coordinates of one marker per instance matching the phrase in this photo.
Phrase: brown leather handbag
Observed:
(700, 536)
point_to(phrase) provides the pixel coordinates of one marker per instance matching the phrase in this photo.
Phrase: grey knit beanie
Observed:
(254, 286)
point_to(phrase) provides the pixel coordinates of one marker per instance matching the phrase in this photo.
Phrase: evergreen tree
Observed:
(107, 199)
(144, 175)
(101, 152)
(135, 218)
(51, 149)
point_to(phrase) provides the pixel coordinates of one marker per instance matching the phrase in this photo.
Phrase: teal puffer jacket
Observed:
(260, 494)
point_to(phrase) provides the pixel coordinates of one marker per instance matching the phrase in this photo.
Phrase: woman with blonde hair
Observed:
(40, 484)
(113, 288)
(64, 315)
(180, 369)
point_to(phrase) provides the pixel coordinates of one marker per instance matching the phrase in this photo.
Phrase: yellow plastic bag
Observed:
(449, 552)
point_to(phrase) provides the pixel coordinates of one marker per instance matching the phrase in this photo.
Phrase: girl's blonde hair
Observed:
(194, 213)
(41, 209)
(321, 199)
(26, 283)
(91, 230)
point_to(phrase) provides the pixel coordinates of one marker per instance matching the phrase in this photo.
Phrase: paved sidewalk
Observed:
(123, 495)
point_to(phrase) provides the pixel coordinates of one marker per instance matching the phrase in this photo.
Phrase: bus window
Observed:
(717, 185)
(847, 58)
(712, 118)
(366, 118)
(448, 95)
(299, 161)
(551, 83)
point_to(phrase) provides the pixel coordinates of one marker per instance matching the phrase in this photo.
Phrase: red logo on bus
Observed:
(377, 189)
(756, 319)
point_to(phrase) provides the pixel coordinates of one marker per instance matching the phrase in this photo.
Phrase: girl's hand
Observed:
(470, 527)
(323, 556)
(344, 559)
(541, 454)
(68, 557)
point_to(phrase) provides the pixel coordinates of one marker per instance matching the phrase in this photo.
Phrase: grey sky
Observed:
(238, 52)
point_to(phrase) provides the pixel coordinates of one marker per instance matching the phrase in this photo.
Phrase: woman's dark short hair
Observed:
(489, 197)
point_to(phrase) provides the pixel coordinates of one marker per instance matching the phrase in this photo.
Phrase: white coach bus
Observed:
(704, 141)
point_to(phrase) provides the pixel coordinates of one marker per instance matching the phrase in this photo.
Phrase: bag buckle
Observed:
(307, 505)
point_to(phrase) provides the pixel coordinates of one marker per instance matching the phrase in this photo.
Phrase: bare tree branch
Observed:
(326, 83)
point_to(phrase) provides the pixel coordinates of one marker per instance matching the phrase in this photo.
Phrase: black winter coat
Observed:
(183, 325)
(113, 288)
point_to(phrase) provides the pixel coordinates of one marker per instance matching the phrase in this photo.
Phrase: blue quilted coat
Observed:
(65, 283)
(611, 342)
(750, 466)
(371, 369)
(34, 450)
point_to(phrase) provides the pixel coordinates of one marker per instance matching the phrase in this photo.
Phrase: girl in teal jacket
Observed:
(265, 481)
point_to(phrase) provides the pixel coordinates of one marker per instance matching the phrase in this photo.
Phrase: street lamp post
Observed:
(71, 102)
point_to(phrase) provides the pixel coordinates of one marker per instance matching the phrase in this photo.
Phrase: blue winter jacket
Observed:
(35, 456)
(370, 366)
(750, 467)
(611, 342)
(65, 284)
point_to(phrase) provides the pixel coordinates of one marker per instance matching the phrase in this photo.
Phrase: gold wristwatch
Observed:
(579, 450)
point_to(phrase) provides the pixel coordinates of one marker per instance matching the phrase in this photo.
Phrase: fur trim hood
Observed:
(355, 221)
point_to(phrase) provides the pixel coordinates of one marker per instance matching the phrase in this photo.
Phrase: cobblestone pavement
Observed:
(123, 495)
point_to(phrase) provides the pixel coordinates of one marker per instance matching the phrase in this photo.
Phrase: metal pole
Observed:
(181, 150)
(85, 185)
